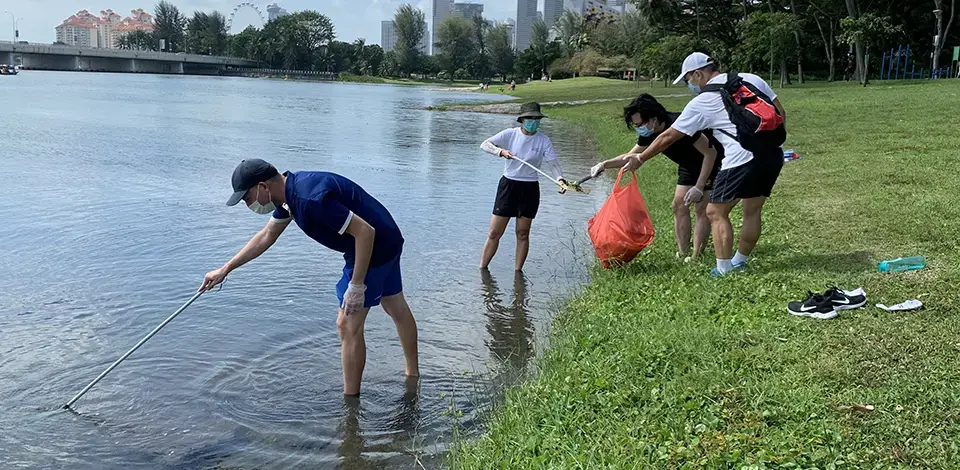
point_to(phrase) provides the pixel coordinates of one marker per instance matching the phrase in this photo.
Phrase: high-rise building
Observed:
(467, 10)
(274, 11)
(85, 29)
(441, 11)
(552, 9)
(388, 37)
(526, 16)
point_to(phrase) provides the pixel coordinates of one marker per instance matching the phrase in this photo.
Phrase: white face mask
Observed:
(262, 209)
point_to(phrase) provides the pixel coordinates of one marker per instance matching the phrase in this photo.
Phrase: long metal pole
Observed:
(144, 340)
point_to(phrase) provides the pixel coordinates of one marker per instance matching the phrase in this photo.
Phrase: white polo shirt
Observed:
(706, 111)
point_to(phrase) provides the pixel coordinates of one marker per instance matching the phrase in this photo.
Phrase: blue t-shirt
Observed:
(323, 204)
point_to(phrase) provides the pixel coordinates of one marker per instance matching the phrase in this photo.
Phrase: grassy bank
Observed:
(350, 78)
(659, 366)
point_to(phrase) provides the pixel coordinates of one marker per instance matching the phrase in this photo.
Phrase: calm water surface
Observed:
(114, 188)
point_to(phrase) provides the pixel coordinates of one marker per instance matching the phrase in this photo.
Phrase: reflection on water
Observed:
(127, 175)
(508, 323)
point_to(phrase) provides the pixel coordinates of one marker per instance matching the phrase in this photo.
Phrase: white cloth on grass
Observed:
(536, 150)
(706, 111)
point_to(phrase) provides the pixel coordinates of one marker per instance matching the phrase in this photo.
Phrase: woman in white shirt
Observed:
(518, 195)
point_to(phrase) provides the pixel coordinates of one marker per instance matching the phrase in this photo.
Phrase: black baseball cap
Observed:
(248, 174)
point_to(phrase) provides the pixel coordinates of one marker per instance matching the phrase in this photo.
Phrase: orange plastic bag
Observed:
(622, 227)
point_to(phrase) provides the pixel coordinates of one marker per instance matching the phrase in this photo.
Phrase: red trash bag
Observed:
(622, 227)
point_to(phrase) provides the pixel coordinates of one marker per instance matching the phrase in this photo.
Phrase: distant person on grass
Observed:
(518, 194)
(743, 175)
(698, 161)
(340, 215)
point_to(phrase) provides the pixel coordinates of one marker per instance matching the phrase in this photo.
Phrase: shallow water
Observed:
(114, 188)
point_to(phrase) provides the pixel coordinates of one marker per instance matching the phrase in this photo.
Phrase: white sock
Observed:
(724, 266)
(739, 258)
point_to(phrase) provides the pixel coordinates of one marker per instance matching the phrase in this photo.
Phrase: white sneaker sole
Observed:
(817, 315)
(850, 306)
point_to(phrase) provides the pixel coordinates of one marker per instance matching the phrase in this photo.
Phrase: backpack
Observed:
(759, 124)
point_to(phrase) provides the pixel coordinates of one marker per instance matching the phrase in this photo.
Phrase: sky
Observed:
(352, 18)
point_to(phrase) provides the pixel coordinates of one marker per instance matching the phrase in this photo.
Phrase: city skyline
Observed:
(352, 18)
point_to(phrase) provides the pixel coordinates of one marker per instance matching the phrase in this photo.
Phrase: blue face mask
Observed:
(531, 125)
(644, 131)
(693, 88)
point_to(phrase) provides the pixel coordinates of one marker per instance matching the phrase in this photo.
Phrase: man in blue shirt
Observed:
(340, 215)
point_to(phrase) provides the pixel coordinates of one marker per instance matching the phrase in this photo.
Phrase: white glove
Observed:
(597, 170)
(354, 298)
(693, 196)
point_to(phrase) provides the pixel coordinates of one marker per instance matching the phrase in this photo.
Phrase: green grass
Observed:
(658, 366)
(351, 78)
(587, 88)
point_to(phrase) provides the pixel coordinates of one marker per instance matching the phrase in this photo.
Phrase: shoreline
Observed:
(656, 365)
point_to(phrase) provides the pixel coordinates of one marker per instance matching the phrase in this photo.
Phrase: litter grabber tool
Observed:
(574, 186)
(128, 353)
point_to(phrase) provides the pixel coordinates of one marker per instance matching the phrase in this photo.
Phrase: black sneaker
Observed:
(816, 306)
(845, 300)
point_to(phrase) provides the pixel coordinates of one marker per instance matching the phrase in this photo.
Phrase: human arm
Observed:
(695, 194)
(551, 164)
(257, 245)
(494, 145)
(363, 234)
(615, 162)
(661, 143)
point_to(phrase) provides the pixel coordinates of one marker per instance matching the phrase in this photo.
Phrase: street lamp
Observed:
(15, 21)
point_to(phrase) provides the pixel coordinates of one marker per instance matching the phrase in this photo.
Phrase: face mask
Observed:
(261, 208)
(644, 131)
(531, 125)
(693, 88)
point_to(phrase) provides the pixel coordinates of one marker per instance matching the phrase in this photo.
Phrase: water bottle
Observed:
(901, 264)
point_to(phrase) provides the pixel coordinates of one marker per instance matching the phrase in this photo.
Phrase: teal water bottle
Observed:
(901, 264)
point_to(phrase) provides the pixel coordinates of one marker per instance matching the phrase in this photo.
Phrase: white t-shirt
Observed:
(534, 149)
(706, 111)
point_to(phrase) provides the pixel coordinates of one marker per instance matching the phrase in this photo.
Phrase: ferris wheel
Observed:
(241, 7)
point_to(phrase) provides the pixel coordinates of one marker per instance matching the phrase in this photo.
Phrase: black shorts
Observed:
(517, 198)
(752, 179)
(688, 176)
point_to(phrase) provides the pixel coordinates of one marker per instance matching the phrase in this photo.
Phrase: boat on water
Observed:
(8, 70)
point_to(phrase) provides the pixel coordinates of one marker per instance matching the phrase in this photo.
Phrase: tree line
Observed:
(785, 39)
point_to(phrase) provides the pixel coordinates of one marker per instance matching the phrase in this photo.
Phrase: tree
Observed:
(169, 26)
(373, 57)
(826, 15)
(455, 41)
(297, 41)
(865, 31)
(138, 40)
(769, 36)
(501, 52)
(411, 26)
(544, 50)
(246, 44)
(481, 61)
(571, 31)
(942, 32)
(206, 34)
(664, 57)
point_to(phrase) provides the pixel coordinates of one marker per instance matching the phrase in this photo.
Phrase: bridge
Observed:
(73, 58)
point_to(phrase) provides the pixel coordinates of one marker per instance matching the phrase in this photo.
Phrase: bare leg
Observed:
(523, 241)
(397, 308)
(353, 349)
(719, 215)
(701, 229)
(497, 226)
(681, 221)
(752, 224)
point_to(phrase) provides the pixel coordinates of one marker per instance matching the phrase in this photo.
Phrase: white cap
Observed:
(695, 61)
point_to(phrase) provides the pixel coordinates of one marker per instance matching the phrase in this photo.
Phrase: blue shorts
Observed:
(382, 281)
